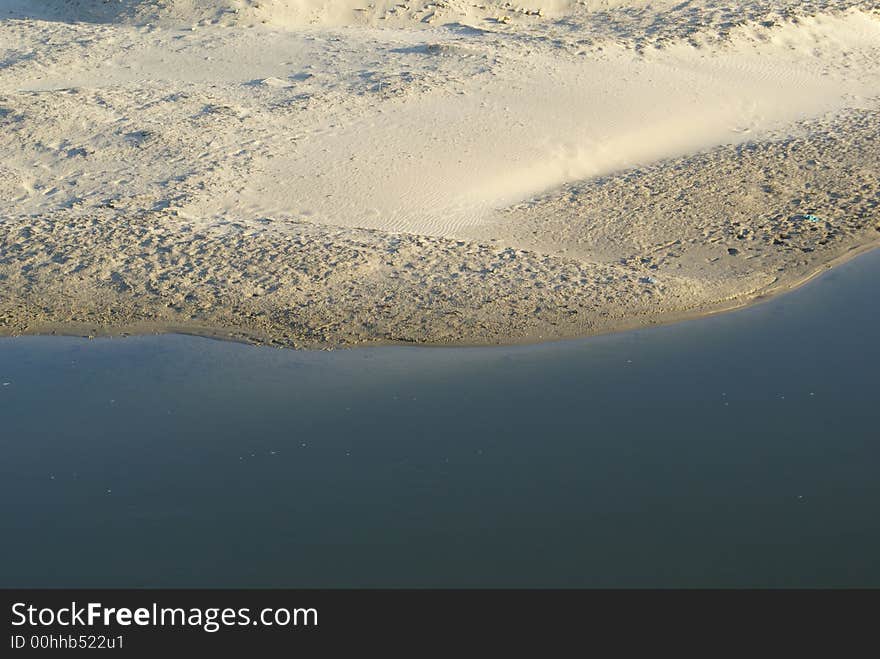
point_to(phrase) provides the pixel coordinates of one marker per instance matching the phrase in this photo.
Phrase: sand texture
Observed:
(317, 174)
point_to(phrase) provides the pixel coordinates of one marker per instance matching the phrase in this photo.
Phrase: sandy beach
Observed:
(318, 174)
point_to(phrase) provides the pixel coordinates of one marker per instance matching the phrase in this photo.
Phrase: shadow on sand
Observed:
(69, 11)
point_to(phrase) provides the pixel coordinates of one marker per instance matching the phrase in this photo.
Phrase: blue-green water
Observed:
(737, 450)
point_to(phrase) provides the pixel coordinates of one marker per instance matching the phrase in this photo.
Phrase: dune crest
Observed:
(286, 13)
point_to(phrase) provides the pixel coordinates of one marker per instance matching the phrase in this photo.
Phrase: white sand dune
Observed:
(442, 162)
(439, 119)
(445, 158)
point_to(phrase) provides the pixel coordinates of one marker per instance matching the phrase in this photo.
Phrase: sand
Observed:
(317, 174)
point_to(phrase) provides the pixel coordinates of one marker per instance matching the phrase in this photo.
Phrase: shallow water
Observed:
(736, 450)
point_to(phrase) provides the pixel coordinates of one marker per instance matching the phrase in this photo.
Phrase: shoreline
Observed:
(237, 336)
(668, 242)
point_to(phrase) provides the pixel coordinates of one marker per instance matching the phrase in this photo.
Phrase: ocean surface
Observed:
(736, 450)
